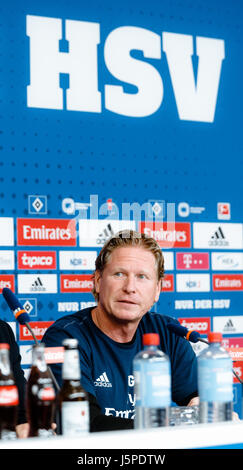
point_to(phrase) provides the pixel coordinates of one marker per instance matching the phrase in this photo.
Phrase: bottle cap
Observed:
(70, 343)
(4, 346)
(214, 337)
(151, 339)
(38, 346)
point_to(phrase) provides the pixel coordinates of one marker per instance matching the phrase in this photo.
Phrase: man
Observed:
(127, 282)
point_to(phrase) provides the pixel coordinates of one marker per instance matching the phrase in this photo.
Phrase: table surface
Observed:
(175, 437)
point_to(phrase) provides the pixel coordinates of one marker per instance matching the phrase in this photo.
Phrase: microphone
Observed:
(19, 312)
(22, 317)
(192, 336)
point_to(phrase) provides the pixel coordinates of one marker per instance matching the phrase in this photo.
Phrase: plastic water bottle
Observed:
(215, 382)
(151, 368)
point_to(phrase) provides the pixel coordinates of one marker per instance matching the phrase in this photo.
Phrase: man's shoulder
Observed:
(158, 318)
(158, 323)
(71, 320)
(4, 324)
(5, 330)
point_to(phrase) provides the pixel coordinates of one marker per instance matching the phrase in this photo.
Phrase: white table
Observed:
(175, 437)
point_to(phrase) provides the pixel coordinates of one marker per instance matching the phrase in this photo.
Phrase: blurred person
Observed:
(127, 282)
(7, 336)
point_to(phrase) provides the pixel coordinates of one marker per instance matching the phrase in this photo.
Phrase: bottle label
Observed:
(152, 384)
(75, 417)
(47, 394)
(9, 395)
(215, 380)
(71, 365)
(43, 391)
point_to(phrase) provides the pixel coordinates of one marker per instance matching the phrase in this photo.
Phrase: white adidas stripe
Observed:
(102, 378)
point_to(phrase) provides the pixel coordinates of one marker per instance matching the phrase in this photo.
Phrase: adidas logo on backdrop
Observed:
(37, 285)
(229, 326)
(107, 233)
(218, 238)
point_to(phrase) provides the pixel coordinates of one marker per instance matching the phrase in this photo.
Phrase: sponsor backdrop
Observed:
(122, 115)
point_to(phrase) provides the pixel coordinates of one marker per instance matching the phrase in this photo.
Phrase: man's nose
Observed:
(130, 284)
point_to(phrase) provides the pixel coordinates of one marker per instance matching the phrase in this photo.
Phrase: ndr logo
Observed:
(195, 93)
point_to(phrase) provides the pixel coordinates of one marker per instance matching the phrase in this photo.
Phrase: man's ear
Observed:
(97, 276)
(158, 290)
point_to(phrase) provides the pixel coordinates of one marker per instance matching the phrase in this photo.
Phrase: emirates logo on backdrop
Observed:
(168, 234)
(46, 232)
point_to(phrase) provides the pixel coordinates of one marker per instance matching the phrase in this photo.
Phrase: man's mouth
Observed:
(124, 301)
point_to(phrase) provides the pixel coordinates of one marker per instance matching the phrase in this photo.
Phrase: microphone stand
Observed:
(203, 340)
(31, 332)
(48, 368)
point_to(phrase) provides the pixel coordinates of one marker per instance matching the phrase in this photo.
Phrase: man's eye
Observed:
(142, 276)
(118, 274)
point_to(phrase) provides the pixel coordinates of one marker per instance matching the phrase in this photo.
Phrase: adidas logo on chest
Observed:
(103, 381)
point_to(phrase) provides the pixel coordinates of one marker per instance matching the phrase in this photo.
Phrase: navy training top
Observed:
(106, 366)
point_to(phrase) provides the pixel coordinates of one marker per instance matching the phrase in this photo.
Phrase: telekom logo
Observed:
(195, 93)
(193, 260)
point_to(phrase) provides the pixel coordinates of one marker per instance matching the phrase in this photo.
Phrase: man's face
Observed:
(128, 286)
